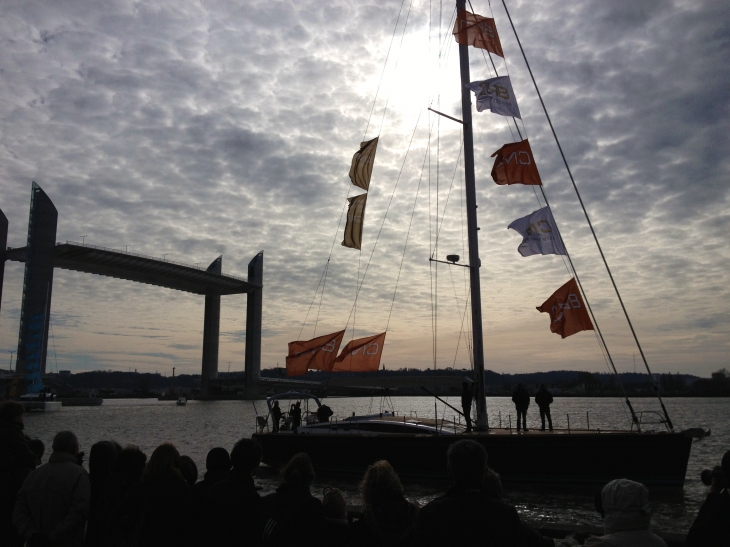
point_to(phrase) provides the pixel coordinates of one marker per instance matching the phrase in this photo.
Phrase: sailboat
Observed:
(417, 447)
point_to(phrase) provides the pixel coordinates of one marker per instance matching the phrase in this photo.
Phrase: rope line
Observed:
(408, 233)
(382, 74)
(403, 34)
(590, 224)
(385, 216)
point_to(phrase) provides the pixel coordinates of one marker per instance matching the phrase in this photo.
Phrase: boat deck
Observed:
(449, 425)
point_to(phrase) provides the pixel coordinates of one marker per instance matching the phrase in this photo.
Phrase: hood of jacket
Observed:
(625, 506)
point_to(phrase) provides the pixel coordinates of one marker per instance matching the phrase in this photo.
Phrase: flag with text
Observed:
(568, 313)
(515, 164)
(315, 354)
(475, 30)
(496, 95)
(540, 237)
(361, 355)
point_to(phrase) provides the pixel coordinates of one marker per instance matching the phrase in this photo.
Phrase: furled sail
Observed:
(362, 164)
(496, 94)
(361, 355)
(540, 236)
(355, 217)
(315, 354)
(475, 30)
(568, 313)
(515, 164)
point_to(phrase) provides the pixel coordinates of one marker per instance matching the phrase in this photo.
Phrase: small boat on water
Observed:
(655, 455)
(43, 401)
(181, 401)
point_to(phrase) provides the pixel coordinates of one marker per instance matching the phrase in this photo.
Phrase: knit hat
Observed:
(333, 503)
(626, 506)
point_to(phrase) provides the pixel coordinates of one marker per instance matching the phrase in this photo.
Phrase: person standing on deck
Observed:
(466, 398)
(296, 415)
(276, 416)
(544, 399)
(521, 400)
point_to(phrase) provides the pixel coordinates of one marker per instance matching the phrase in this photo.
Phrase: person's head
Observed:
(334, 504)
(37, 447)
(66, 442)
(246, 456)
(189, 470)
(625, 506)
(467, 462)
(299, 471)
(542, 387)
(164, 462)
(299, 403)
(492, 484)
(130, 463)
(12, 412)
(726, 465)
(101, 458)
(465, 385)
(276, 403)
(380, 484)
(218, 460)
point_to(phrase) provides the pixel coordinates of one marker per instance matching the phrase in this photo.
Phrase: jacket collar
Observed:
(58, 457)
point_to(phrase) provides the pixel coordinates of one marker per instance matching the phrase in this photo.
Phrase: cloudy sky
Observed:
(198, 129)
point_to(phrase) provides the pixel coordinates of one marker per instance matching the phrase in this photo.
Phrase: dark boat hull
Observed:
(655, 459)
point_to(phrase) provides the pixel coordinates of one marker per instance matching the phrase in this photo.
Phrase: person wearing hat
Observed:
(624, 505)
(711, 528)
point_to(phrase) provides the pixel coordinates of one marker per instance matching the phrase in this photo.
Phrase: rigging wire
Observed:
(443, 215)
(382, 74)
(408, 233)
(496, 73)
(349, 187)
(385, 216)
(403, 34)
(585, 212)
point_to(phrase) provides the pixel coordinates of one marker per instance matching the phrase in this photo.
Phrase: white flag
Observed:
(496, 95)
(540, 234)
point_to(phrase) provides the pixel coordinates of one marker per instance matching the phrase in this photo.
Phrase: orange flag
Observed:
(315, 354)
(515, 165)
(361, 355)
(475, 30)
(568, 313)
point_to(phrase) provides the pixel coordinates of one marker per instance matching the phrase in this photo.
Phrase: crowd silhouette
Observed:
(127, 499)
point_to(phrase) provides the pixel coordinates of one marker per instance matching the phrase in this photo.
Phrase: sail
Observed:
(540, 236)
(362, 164)
(315, 354)
(475, 30)
(515, 164)
(361, 355)
(496, 95)
(355, 217)
(568, 313)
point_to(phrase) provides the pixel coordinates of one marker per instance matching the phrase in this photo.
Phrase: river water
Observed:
(196, 428)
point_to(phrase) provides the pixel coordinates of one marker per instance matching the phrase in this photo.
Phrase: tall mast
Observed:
(471, 219)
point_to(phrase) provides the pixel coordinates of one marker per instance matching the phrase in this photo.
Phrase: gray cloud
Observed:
(195, 130)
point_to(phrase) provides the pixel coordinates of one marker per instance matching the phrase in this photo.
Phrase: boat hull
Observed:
(655, 459)
(41, 406)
